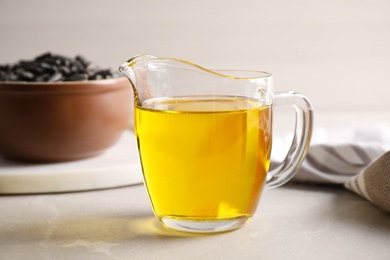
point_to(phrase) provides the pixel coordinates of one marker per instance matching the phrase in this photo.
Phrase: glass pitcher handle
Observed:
(301, 140)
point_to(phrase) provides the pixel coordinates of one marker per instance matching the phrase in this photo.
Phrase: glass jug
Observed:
(204, 139)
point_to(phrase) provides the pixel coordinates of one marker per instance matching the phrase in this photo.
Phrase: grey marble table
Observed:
(294, 221)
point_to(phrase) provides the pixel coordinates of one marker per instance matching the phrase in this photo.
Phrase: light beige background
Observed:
(337, 52)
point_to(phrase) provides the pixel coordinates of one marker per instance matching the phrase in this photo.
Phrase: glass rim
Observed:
(257, 74)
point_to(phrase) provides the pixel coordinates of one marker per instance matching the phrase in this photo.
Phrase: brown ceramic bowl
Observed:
(64, 121)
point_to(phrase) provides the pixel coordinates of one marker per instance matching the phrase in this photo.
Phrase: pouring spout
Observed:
(127, 68)
(130, 69)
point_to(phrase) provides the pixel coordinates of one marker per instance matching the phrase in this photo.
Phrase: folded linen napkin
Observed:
(356, 156)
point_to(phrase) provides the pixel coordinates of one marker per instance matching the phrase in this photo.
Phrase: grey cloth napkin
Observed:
(373, 183)
(356, 157)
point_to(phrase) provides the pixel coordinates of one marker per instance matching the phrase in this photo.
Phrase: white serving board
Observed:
(119, 166)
